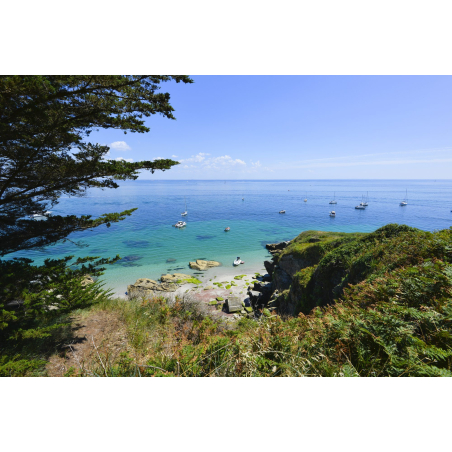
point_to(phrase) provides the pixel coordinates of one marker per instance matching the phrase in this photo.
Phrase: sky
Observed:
(298, 127)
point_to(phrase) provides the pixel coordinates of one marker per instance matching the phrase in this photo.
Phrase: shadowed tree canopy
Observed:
(45, 152)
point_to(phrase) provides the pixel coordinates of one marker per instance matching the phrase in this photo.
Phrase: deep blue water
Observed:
(146, 240)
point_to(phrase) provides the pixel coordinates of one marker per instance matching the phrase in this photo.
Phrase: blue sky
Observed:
(299, 127)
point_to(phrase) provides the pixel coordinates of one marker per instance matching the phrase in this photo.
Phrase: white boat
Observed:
(227, 229)
(40, 215)
(185, 213)
(334, 199)
(360, 207)
(306, 199)
(238, 261)
(282, 211)
(180, 224)
(405, 201)
(332, 213)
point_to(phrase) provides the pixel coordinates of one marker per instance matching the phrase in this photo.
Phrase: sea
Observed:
(150, 246)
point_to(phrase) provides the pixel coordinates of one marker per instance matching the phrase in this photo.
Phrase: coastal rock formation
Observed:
(273, 247)
(269, 266)
(174, 278)
(145, 287)
(203, 265)
(87, 280)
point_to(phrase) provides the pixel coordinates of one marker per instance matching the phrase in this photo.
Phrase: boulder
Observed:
(203, 265)
(145, 287)
(175, 277)
(234, 304)
(87, 280)
(261, 286)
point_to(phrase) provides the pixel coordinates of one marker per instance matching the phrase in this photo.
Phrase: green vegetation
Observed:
(45, 123)
(238, 277)
(228, 287)
(189, 281)
(388, 314)
(219, 298)
(218, 284)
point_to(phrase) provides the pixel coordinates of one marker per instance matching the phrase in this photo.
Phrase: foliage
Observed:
(35, 301)
(45, 122)
(45, 153)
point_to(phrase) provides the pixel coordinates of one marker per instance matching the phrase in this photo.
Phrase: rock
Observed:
(248, 309)
(87, 280)
(292, 265)
(277, 246)
(266, 277)
(203, 265)
(175, 277)
(145, 287)
(261, 286)
(269, 266)
(234, 304)
(281, 280)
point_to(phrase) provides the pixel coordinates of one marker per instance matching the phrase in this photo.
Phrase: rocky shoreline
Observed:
(250, 295)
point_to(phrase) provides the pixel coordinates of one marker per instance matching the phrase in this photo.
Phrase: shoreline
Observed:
(207, 278)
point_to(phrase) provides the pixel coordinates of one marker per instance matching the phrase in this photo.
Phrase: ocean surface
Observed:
(150, 246)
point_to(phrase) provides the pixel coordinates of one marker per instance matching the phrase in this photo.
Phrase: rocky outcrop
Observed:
(281, 279)
(269, 266)
(174, 278)
(262, 286)
(145, 287)
(293, 264)
(203, 265)
(274, 247)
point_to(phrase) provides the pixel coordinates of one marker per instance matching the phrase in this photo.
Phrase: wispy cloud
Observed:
(126, 160)
(372, 159)
(202, 160)
(120, 146)
(198, 158)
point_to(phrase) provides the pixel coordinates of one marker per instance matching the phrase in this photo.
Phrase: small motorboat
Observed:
(227, 229)
(360, 207)
(40, 215)
(305, 200)
(238, 261)
(332, 213)
(180, 224)
(282, 211)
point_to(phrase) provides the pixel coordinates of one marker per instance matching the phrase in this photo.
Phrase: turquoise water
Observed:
(146, 240)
